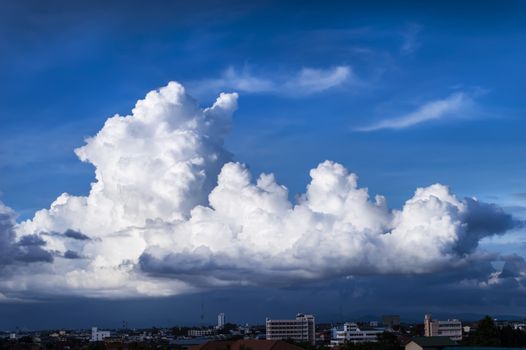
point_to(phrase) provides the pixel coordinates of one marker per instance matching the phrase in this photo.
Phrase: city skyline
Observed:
(172, 161)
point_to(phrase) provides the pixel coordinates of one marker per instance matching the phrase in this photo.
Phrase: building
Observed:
(323, 337)
(450, 328)
(391, 321)
(302, 329)
(351, 333)
(202, 332)
(517, 325)
(429, 343)
(221, 320)
(244, 344)
(97, 335)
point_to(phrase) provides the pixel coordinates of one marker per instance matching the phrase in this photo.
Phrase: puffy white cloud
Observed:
(253, 233)
(169, 213)
(157, 163)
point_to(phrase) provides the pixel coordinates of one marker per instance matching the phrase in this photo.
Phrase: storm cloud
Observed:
(26, 249)
(170, 213)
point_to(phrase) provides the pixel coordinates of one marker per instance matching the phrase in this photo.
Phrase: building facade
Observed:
(221, 320)
(302, 329)
(201, 332)
(450, 328)
(351, 333)
(97, 335)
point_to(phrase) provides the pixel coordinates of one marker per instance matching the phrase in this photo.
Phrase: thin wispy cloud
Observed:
(306, 81)
(6, 299)
(311, 80)
(410, 41)
(433, 110)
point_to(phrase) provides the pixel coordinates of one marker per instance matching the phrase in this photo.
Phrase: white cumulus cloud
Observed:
(169, 213)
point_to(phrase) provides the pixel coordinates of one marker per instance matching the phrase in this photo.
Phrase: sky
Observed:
(158, 159)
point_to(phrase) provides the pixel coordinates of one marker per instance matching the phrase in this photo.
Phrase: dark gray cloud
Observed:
(7, 235)
(69, 233)
(31, 254)
(70, 254)
(31, 240)
(76, 235)
(483, 220)
(27, 249)
(514, 267)
(200, 267)
(445, 294)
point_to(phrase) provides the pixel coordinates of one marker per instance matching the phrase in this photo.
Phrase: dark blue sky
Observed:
(66, 67)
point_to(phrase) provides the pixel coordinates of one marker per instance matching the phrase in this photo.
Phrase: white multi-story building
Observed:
(351, 333)
(221, 320)
(302, 329)
(450, 328)
(204, 332)
(97, 335)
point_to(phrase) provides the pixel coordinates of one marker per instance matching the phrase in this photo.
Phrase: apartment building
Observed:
(449, 328)
(351, 333)
(97, 335)
(302, 329)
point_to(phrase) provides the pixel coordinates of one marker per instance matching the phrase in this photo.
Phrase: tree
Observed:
(487, 333)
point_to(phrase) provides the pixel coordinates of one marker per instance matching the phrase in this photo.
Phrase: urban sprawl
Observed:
(300, 332)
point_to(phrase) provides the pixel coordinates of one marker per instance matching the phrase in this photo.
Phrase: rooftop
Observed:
(246, 344)
(434, 341)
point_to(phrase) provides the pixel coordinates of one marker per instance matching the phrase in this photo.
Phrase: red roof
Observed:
(246, 344)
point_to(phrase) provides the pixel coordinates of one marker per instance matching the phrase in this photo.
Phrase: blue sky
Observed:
(405, 95)
(66, 69)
